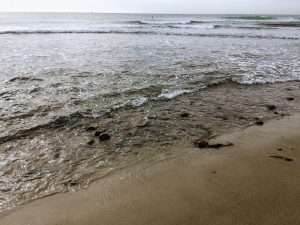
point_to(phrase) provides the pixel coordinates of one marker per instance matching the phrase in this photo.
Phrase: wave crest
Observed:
(254, 17)
(221, 35)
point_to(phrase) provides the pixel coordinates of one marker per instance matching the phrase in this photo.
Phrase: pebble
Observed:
(97, 133)
(90, 128)
(104, 137)
(259, 123)
(271, 107)
(184, 115)
(201, 144)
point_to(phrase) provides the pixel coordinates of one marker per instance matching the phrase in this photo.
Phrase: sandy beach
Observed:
(255, 181)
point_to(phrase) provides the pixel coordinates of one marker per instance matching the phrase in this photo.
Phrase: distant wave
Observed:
(24, 32)
(281, 24)
(257, 27)
(173, 24)
(162, 22)
(196, 26)
(250, 17)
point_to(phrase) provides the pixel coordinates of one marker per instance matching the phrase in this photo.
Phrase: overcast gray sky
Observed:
(156, 6)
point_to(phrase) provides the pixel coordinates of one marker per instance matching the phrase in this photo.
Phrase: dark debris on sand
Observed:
(205, 144)
(271, 107)
(282, 157)
(184, 115)
(104, 137)
(259, 123)
(90, 128)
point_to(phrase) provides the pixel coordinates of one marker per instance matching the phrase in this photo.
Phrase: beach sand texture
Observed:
(255, 181)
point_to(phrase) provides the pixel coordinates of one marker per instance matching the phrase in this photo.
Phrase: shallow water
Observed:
(57, 75)
(130, 76)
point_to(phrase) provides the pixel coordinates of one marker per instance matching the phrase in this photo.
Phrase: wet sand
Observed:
(255, 181)
(66, 154)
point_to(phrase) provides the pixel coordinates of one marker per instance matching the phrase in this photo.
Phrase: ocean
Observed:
(64, 75)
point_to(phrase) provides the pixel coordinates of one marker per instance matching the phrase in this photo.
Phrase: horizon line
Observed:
(150, 13)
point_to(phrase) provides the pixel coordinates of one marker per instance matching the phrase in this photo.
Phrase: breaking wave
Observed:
(295, 24)
(223, 35)
(254, 17)
(161, 22)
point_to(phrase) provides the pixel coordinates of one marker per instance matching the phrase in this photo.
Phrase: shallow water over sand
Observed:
(66, 155)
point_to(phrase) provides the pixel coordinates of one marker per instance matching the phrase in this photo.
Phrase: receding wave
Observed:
(140, 97)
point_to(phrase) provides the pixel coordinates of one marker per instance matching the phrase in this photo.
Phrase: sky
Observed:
(156, 6)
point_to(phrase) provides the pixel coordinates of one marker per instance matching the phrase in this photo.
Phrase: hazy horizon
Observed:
(150, 13)
(288, 7)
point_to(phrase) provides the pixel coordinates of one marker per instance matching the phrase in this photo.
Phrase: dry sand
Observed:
(237, 185)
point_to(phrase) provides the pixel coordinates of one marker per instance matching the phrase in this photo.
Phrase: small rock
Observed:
(91, 142)
(290, 98)
(271, 107)
(90, 128)
(276, 113)
(205, 144)
(104, 137)
(72, 183)
(280, 149)
(97, 133)
(201, 144)
(259, 123)
(218, 145)
(151, 117)
(184, 115)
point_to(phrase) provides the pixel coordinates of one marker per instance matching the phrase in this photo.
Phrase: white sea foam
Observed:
(166, 94)
(267, 80)
(137, 102)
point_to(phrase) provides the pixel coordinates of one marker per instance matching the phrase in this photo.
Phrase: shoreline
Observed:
(67, 155)
(249, 182)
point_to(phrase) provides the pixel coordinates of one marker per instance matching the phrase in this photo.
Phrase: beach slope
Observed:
(255, 181)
